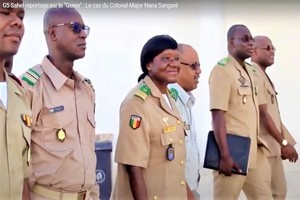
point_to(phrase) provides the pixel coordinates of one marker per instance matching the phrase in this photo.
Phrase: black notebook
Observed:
(239, 148)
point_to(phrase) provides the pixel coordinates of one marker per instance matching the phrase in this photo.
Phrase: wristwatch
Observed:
(284, 142)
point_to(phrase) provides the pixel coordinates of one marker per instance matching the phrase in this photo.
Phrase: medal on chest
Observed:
(61, 135)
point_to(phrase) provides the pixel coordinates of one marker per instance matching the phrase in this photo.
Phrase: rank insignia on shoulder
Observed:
(135, 121)
(27, 120)
(253, 67)
(174, 93)
(143, 92)
(90, 83)
(224, 61)
(61, 134)
(31, 77)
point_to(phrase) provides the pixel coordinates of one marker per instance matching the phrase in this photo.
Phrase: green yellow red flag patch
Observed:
(135, 121)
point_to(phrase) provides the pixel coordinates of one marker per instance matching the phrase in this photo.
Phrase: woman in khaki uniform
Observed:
(150, 151)
(15, 114)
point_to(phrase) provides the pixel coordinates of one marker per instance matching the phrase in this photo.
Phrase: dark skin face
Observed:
(64, 45)
(264, 52)
(71, 45)
(164, 69)
(11, 31)
(188, 76)
(240, 46)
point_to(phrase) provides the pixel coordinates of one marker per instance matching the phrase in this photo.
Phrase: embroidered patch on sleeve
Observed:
(135, 121)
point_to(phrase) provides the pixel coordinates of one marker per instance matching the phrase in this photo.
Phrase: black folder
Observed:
(239, 149)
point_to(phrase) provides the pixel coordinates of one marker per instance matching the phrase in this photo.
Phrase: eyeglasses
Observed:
(268, 48)
(246, 38)
(193, 66)
(76, 27)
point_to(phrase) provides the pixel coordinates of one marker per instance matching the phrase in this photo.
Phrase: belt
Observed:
(58, 195)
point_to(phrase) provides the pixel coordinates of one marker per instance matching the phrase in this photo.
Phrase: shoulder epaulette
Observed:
(253, 67)
(174, 93)
(90, 83)
(31, 76)
(143, 92)
(223, 61)
(15, 78)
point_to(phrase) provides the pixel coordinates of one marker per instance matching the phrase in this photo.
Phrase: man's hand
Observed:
(226, 165)
(289, 152)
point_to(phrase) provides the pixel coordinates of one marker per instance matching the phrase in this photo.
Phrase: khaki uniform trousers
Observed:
(256, 185)
(278, 181)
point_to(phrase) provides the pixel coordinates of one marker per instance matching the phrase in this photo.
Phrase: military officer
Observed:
(150, 150)
(15, 113)
(63, 104)
(278, 138)
(234, 107)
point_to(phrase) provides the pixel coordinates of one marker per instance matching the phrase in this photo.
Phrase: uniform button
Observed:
(171, 140)
(182, 183)
(181, 162)
(155, 198)
(180, 142)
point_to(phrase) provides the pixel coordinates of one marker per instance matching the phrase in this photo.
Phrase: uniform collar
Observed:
(156, 93)
(12, 85)
(57, 78)
(186, 97)
(235, 62)
(154, 89)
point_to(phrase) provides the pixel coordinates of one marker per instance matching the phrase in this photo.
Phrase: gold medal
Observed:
(61, 134)
(244, 99)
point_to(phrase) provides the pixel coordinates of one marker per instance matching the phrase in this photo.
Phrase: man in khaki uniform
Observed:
(15, 113)
(272, 129)
(63, 104)
(234, 108)
(151, 141)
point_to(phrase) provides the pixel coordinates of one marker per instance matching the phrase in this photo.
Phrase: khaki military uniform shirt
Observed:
(144, 143)
(15, 122)
(63, 156)
(268, 96)
(232, 90)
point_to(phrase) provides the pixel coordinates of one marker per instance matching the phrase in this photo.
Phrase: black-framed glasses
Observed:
(268, 48)
(246, 38)
(193, 66)
(76, 27)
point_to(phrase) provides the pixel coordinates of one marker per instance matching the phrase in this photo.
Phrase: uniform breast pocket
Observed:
(244, 94)
(58, 131)
(169, 138)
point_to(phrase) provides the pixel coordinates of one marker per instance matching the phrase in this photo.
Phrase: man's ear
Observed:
(51, 33)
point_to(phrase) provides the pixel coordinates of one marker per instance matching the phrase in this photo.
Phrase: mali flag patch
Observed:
(135, 121)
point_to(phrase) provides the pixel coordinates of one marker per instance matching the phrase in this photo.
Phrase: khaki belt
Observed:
(52, 194)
